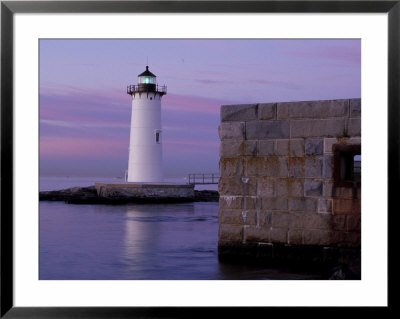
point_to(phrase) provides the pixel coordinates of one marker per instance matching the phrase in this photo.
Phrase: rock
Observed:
(346, 272)
(78, 194)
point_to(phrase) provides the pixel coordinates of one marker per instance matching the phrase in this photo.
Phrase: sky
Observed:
(85, 111)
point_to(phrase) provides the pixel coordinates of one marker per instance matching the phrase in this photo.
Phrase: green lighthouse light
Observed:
(147, 77)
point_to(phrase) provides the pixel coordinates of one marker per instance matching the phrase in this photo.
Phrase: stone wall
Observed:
(278, 184)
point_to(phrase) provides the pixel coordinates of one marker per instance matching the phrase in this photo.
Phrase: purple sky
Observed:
(85, 111)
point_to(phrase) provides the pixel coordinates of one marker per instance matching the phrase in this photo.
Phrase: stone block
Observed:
(230, 186)
(236, 185)
(321, 237)
(328, 166)
(312, 188)
(355, 108)
(346, 192)
(318, 128)
(249, 186)
(328, 189)
(352, 239)
(313, 167)
(316, 221)
(251, 148)
(251, 202)
(295, 236)
(255, 164)
(293, 147)
(353, 223)
(353, 127)
(314, 146)
(271, 166)
(278, 235)
(316, 109)
(324, 221)
(265, 218)
(230, 202)
(297, 147)
(267, 111)
(230, 233)
(282, 147)
(282, 111)
(267, 129)
(303, 204)
(274, 203)
(354, 140)
(266, 147)
(325, 206)
(289, 187)
(328, 144)
(237, 217)
(309, 167)
(231, 148)
(283, 167)
(338, 222)
(346, 206)
(296, 167)
(287, 220)
(266, 187)
(231, 130)
(231, 166)
(257, 234)
(240, 112)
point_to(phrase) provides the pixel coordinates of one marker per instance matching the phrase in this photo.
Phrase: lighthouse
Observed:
(145, 146)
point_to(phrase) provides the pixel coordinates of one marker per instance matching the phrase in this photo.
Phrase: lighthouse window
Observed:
(158, 137)
(147, 80)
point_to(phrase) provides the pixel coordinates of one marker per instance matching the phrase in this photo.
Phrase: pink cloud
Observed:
(82, 147)
(286, 85)
(345, 54)
(192, 104)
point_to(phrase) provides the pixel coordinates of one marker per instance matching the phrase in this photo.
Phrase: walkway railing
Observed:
(202, 179)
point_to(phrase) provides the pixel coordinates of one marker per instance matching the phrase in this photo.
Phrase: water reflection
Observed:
(134, 242)
(166, 241)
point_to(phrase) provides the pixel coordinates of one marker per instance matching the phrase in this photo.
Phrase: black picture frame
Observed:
(9, 8)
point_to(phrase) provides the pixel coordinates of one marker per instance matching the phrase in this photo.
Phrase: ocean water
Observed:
(135, 241)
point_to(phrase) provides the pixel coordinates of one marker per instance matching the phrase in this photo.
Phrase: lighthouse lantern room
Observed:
(145, 147)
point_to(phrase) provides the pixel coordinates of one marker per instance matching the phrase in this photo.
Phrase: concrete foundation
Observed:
(145, 192)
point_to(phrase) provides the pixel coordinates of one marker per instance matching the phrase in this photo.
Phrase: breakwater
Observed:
(90, 195)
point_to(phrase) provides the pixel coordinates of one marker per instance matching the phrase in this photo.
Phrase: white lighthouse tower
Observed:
(145, 147)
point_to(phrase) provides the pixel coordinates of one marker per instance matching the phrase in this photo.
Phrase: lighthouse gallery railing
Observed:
(142, 88)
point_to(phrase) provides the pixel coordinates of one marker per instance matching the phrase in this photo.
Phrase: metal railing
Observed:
(203, 179)
(146, 88)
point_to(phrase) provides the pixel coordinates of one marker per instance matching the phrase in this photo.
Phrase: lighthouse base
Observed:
(141, 192)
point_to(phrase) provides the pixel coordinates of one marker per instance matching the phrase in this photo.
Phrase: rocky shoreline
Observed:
(88, 195)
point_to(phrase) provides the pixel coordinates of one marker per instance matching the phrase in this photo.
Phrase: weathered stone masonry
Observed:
(278, 185)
